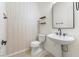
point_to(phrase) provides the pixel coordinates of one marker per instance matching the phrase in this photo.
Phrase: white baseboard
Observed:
(18, 52)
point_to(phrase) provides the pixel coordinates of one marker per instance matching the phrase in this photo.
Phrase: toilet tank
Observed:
(41, 37)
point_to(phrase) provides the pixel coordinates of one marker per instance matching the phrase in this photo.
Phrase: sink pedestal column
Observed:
(64, 48)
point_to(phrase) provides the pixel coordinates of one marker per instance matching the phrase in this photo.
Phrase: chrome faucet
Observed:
(60, 32)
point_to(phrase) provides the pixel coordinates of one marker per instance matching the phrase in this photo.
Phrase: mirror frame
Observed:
(73, 19)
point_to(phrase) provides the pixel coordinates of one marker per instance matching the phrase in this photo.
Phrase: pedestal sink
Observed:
(60, 39)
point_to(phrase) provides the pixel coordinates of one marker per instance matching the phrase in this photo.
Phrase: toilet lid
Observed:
(35, 44)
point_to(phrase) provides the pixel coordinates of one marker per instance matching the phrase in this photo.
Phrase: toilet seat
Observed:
(35, 44)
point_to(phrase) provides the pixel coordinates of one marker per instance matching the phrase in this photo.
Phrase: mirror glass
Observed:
(63, 15)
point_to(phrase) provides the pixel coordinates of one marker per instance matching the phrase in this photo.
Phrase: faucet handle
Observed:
(56, 33)
(64, 34)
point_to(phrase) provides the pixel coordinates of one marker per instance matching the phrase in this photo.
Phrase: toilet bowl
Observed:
(36, 46)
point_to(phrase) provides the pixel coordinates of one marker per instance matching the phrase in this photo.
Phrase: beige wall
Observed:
(46, 10)
(22, 26)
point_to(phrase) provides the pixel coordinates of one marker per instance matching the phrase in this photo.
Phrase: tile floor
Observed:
(28, 54)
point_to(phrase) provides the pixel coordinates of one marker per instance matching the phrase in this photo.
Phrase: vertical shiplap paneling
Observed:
(17, 27)
(22, 25)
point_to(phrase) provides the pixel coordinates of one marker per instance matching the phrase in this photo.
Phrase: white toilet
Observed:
(37, 46)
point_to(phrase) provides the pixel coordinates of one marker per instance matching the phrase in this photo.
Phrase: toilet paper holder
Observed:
(3, 42)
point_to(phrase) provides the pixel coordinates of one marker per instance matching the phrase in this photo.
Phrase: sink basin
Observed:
(61, 39)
